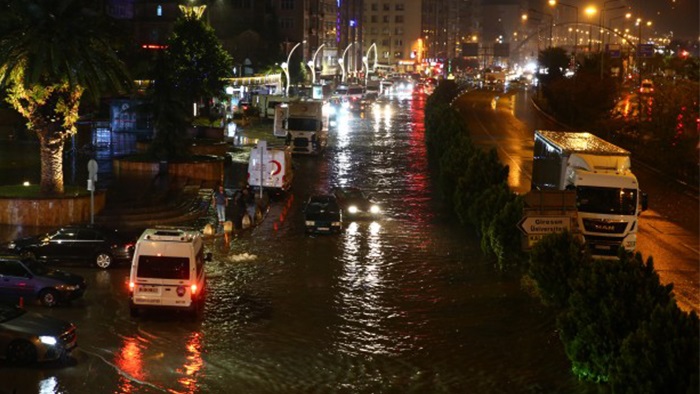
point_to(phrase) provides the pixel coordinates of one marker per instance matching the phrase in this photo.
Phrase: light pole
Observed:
(285, 66)
(341, 61)
(551, 22)
(639, 55)
(553, 3)
(312, 64)
(590, 11)
(602, 37)
(365, 61)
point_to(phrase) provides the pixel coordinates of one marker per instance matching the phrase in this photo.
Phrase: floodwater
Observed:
(406, 303)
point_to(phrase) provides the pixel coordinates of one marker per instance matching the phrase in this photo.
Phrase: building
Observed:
(394, 27)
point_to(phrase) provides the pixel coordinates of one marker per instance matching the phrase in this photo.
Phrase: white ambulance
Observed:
(167, 271)
(270, 167)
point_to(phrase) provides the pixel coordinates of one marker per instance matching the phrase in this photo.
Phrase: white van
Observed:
(167, 271)
(270, 167)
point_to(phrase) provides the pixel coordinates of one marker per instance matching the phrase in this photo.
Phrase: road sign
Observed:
(646, 50)
(92, 169)
(541, 225)
(614, 50)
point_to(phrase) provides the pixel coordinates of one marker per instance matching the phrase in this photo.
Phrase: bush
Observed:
(554, 261)
(503, 238)
(610, 299)
(661, 356)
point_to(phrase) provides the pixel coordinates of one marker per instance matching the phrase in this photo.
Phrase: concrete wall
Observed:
(49, 212)
(209, 168)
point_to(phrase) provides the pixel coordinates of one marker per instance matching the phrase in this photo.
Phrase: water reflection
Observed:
(361, 300)
(130, 361)
(151, 361)
(193, 365)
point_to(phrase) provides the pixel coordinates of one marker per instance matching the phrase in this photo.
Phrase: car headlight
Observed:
(374, 209)
(67, 287)
(352, 209)
(11, 245)
(335, 224)
(48, 340)
(310, 222)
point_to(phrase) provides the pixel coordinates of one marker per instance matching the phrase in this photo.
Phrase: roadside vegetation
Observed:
(620, 327)
(659, 127)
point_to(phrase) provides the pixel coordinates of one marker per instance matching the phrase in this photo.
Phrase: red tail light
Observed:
(193, 289)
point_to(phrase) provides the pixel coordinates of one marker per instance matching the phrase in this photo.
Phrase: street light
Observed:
(553, 3)
(365, 61)
(312, 64)
(341, 61)
(601, 20)
(602, 37)
(590, 11)
(285, 66)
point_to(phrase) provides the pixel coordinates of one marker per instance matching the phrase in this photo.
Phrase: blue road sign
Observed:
(646, 50)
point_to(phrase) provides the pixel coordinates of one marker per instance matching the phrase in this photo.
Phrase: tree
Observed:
(198, 61)
(52, 53)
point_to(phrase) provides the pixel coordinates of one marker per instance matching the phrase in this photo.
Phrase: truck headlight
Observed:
(352, 209)
(335, 224)
(374, 209)
(310, 222)
(48, 340)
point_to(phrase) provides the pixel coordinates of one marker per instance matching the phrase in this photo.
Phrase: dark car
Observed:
(23, 278)
(27, 337)
(356, 203)
(90, 244)
(322, 214)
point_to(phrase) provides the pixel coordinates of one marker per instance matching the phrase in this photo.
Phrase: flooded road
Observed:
(403, 304)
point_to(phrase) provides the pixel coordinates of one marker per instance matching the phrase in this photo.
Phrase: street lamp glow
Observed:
(590, 11)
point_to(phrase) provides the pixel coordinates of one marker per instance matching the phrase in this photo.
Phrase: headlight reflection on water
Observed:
(361, 302)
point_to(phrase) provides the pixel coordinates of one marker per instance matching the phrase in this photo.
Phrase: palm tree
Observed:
(52, 53)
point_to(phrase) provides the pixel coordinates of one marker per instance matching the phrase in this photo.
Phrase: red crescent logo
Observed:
(278, 165)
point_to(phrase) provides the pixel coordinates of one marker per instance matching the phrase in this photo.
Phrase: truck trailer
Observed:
(608, 198)
(306, 126)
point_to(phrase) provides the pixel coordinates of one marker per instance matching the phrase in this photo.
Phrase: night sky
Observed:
(682, 17)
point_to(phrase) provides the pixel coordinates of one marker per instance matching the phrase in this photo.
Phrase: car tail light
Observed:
(131, 287)
(193, 289)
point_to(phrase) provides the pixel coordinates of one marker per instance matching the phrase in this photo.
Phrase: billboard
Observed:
(501, 50)
(470, 49)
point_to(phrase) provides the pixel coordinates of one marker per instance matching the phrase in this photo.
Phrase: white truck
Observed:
(270, 168)
(608, 198)
(304, 125)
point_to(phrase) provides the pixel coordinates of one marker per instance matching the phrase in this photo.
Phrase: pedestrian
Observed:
(220, 201)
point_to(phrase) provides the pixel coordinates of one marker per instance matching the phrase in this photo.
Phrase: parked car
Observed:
(27, 337)
(322, 214)
(90, 244)
(30, 279)
(356, 203)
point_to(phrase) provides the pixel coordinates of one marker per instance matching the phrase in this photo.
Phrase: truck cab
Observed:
(608, 198)
(306, 127)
